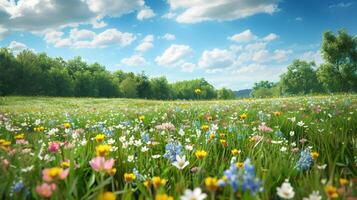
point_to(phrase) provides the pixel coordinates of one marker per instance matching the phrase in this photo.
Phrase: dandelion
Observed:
(45, 189)
(99, 137)
(180, 162)
(107, 196)
(211, 183)
(243, 116)
(163, 197)
(20, 136)
(99, 164)
(205, 127)
(286, 191)
(54, 173)
(102, 149)
(142, 118)
(129, 177)
(195, 194)
(314, 155)
(331, 191)
(157, 181)
(67, 125)
(200, 154)
(235, 152)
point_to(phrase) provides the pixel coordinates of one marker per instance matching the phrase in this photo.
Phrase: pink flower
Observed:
(5, 163)
(53, 147)
(100, 164)
(51, 174)
(264, 128)
(45, 190)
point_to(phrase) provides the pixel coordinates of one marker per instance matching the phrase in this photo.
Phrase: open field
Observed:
(84, 148)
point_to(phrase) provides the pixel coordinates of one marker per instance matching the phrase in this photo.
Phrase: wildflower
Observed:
(224, 142)
(45, 189)
(148, 183)
(195, 194)
(141, 118)
(53, 147)
(239, 164)
(112, 171)
(264, 128)
(67, 125)
(277, 114)
(205, 127)
(235, 152)
(315, 195)
(200, 154)
(20, 136)
(343, 181)
(18, 186)
(172, 150)
(107, 196)
(99, 164)
(129, 177)
(314, 155)
(163, 197)
(243, 116)
(102, 150)
(211, 183)
(331, 191)
(305, 160)
(300, 123)
(157, 181)
(166, 126)
(54, 173)
(99, 137)
(286, 191)
(65, 164)
(180, 162)
(198, 91)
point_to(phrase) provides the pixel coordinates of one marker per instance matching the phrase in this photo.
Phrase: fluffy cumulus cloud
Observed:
(216, 60)
(134, 61)
(145, 13)
(194, 11)
(146, 44)
(89, 39)
(114, 8)
(17, 47)
(169, 36)
(244, 36)
(312, 56)
(174, 55)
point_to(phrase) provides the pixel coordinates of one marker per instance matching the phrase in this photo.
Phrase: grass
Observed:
(327, 123)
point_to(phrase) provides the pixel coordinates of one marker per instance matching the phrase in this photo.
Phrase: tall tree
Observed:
(339, 72)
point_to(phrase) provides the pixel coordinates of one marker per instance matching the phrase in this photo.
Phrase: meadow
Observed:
(91, 148)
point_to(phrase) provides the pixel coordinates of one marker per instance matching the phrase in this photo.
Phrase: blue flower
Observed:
(305, 161)
(16, 187)
(171, 150)
(145, 137)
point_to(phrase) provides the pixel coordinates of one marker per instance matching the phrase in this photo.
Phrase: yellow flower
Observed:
(201, 154)
(212, 136)
(211, 183)
(222, 135)
(204, 127)
(112, 171)
(224, 143)
(235, 152)
(67, 125)
(39, 129)
(147, 183)
(20, 136)
(129, 177)
(343, 181)
(5, 143)
(277, 114)
(163, 197)
(141, 118)
(102, 149)
(99, 137)
(314, 155)
(243, 116)
(239, 164)
(65, 164)
(54, 172)
(198, 91)
(331, 191)
(2, 141)
(107, 196)
(157, 181)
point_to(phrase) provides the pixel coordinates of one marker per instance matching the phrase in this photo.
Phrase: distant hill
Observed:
(243, 93)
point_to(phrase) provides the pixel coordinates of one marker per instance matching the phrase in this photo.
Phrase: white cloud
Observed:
(255, 46)
(88, 39)
(145, 13)
(114, 8)
(298, 19)
(3, 32)
(312, 56)
(173, 55)
(17, 47)
(147, 43)
(281, 55)
(216, 60)
(341, 5)
(188, 67)
(244, 36)
(169, 15)
(270, 37)
(169, 36)
(195, 11)
(134, 61)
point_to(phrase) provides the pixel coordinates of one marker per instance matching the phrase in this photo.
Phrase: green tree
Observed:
(339, 72)
(300, 78)
(84, 85)
(10, 72)
(128, 87)
(225, 93)
(160, 88)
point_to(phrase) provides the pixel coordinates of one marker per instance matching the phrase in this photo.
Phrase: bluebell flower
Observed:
(145, 137)
(17, 186)
(171, 150)
(305, 161)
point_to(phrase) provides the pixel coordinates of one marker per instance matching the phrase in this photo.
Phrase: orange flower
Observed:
(331, 191)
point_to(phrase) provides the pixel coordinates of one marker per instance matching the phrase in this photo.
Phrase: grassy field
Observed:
(87, 148)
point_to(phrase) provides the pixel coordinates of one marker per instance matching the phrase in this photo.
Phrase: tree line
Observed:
(337, 74)
(31, 74)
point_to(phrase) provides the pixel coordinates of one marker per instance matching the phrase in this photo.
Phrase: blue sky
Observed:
(230, 43)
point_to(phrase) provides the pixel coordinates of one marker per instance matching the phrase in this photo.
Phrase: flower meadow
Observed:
(106, 149)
